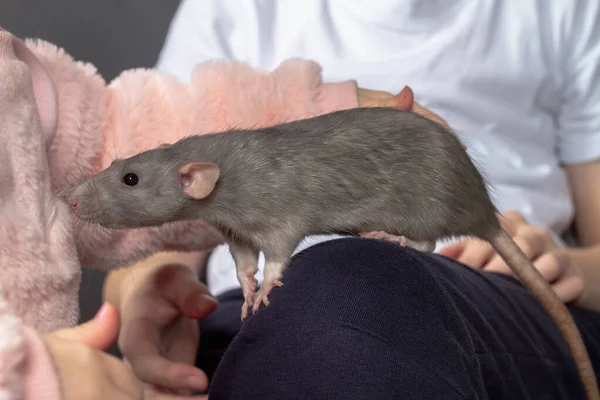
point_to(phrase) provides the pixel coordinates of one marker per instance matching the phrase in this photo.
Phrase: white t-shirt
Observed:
(518, 80)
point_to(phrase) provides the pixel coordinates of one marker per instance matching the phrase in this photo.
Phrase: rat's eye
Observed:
(130, 179)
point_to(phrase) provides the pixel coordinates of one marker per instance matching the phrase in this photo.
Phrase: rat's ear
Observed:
(44, 89)
(198, 179)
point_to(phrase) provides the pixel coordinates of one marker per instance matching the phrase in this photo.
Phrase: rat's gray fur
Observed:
(349, 171)
(360, 170)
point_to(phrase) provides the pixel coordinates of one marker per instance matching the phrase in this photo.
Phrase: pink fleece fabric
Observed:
(61, 123)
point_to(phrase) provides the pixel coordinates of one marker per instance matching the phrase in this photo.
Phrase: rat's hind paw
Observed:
(381, 235)
(426, 246)
(263, 293)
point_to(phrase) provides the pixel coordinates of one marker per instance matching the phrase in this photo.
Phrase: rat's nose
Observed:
(73, 202)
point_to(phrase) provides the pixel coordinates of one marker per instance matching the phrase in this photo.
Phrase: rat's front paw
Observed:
(247, 306)
(249, 283)
(263, 293)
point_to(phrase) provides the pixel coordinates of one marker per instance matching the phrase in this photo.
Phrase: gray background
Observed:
(114, 35)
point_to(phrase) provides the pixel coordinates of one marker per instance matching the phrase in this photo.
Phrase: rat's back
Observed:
(347, 170)
(379, 168)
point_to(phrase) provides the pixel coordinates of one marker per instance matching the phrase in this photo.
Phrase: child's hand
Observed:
(402, 101)
(553, 263)
(160, 304)
(378, 98)
(84, 370)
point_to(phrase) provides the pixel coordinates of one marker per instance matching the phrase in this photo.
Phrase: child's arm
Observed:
(26, 367)
(579, 140)
(584, 180)
(574, 273)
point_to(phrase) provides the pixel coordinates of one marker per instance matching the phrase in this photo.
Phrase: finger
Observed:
(552, 266)
(429, 114)
(532, 247)
(476, 254)
(100, 332)
(373, 94)
(374, 98)
(140, 343)
(514, 216)
(569, 289)
(404, 100)
(545, 239)
(172, 375)
(515, 225)
(511, 220)
(454, 250)
(181, 339)
(178, 285)
(497, 264)
(154, 395)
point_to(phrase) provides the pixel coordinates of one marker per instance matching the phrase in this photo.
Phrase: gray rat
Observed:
(375, 172)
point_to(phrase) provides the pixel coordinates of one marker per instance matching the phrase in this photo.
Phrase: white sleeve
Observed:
(194, 36)
(579, 119)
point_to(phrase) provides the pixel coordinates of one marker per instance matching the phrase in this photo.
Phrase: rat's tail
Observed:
(533, 280)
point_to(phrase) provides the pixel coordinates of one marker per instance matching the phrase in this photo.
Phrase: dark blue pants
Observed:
(365, 319)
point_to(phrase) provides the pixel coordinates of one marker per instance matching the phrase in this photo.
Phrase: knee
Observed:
(380, 289)
(360, 278)
(356, 265)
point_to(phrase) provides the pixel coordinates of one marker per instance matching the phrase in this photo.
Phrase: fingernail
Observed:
(195, 382)
(207, 299)
(210, 297)
(102, 311)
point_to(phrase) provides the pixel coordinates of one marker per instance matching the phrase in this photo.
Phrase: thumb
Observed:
(180, 287)
(166, 396)
(405, 99)
(427, 113)
(100, 332)
(453, 250)
(511, 220)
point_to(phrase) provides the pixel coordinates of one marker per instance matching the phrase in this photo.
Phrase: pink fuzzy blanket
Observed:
(85, 124)
(61, 123)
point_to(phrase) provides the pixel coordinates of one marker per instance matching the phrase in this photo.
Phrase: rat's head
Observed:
(148, 189)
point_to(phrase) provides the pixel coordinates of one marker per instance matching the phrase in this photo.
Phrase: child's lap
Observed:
(405, 323)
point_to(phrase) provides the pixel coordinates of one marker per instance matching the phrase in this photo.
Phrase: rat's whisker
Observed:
(61, 193)
(87, 196)
(113, 158)
(103, 212)
(99, 202)
(82, 175)
(77, 228)
(94, 183)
